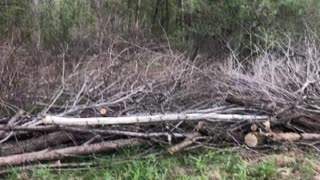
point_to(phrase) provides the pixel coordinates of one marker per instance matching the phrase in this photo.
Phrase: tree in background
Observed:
(237, 24)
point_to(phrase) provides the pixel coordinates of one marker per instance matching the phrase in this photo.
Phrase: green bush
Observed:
(240, 23)
(14, 13)
(57, 18)
(246, 23)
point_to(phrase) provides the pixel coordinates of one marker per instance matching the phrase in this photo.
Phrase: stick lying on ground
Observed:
(84, 130)
(64, 152)
(188, 141)
(294, 136)
(147, 119)
(35, 143)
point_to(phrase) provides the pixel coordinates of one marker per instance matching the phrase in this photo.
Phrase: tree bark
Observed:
(138, 15)
(147, 119)
(156, 12)
(35, 144)
(187, 142)
(179, 15)
(167, 15)
(65, 152)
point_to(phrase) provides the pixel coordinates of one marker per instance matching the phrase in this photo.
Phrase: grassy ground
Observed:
(130, 164)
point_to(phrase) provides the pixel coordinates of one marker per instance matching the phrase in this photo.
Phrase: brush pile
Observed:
(129, 95)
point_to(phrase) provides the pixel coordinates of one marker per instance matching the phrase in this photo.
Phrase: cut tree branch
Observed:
(51, 128)
(146, 119)
(69, 151)
(36, 143)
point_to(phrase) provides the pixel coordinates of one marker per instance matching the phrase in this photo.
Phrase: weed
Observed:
(184, 166)
(306, 170)
(264, 170)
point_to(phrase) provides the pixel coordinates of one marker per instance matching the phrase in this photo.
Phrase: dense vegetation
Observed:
(199, 24)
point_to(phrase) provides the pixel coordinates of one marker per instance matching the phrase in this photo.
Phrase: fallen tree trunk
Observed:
(65, 152)
(294, 136)
(147, 119)
(37, 143)
(264, 106)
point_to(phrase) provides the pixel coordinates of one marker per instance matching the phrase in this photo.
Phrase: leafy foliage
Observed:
(241, 24)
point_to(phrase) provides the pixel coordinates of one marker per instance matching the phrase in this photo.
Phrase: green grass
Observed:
(129, 164)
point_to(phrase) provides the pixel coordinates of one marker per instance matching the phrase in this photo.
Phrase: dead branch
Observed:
(52, 128)
(294, 136)
(146, 119)
(264, 106)
(65, 152)
(35, 143)
(188, 141)
(11, 122)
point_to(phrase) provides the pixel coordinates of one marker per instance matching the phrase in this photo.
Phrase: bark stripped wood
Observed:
(294, 136)
(147, 119)
(27, 158)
